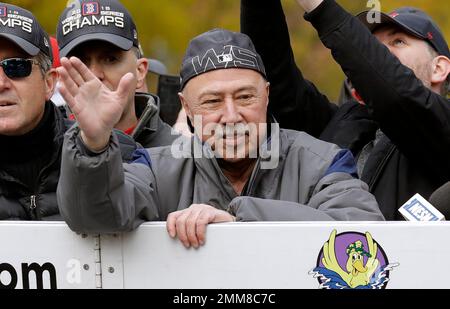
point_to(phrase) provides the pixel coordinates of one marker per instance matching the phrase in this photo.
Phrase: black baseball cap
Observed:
(22, 28)
(104, 20)
(219, 49)
(414, 22)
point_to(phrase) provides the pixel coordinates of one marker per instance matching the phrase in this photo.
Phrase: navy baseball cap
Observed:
(219, 49)
(104, 20)
(414, 22)
(21, 27)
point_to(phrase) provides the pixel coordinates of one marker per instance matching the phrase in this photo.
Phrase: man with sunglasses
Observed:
(102, 34)
(31, 127)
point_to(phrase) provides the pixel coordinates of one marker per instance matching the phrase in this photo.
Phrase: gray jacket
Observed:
(312, 182)
(150, 130)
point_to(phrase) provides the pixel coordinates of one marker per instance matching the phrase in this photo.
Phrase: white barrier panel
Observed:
(282, 255)
(236, 255)
(46, 255)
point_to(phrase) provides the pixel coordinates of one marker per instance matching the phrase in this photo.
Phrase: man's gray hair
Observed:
(45, 63)
(137, 52)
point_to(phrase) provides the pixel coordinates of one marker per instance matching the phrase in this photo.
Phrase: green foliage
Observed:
(166, 26)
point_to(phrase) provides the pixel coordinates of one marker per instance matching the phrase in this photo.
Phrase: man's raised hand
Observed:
(96, 108)
(309, 5)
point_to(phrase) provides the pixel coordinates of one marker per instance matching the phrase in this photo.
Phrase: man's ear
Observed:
(141, 72)
(50, 78)
(268, 93)
(441, 69)
(185, 106)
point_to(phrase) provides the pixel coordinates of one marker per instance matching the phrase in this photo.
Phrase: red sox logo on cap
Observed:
(394, 14)
(90, 8)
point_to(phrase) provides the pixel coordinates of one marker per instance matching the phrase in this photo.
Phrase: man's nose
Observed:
(97, 70)
(231, 113)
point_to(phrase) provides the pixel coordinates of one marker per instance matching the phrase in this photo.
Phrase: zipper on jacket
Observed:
(33, 202)
(33, 207)
(249, 186)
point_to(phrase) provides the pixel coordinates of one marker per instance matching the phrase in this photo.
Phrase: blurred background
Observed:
(166, 26)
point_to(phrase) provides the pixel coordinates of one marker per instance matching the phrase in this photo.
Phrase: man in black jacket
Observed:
(31, 127)
(401, 136)
(102, 34)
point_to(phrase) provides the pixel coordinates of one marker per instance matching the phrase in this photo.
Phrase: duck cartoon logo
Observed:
(352, 260)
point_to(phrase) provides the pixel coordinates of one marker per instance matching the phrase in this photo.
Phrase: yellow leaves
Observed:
(166, 26)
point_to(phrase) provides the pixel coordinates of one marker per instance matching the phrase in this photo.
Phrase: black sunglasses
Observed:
(17, 67)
